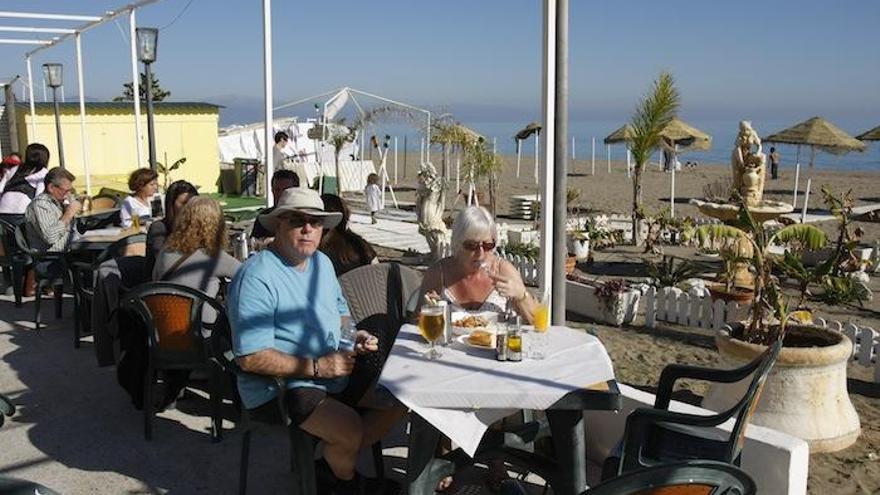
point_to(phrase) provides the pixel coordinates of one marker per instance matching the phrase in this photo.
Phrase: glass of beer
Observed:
(432, 322)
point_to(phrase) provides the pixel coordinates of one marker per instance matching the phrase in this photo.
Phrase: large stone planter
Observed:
(581, 299)
(805, 394)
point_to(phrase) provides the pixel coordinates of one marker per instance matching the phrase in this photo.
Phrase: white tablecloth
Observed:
(466, 390)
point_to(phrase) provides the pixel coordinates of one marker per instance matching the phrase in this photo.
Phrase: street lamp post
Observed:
(53, 75)
(147, 40)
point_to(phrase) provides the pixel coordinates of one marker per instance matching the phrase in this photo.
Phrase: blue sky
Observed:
(746, 59)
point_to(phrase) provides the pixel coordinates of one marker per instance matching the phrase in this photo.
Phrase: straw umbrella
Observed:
(816, 133)
(679, 136)
(522, 135)
(872, 135)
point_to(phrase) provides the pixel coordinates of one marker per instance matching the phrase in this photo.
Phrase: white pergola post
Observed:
(548, 110)
(135, 87)
(82, 114)
(31, 99)
(267, 97)
(395, 160)
(593, 157)
(537, 150)
(608, 153)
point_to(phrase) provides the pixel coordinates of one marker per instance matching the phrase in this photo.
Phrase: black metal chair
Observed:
(44, 279)
(685, 478)
(12, 260)
(177, 339)
(656, 435)
(82, 275)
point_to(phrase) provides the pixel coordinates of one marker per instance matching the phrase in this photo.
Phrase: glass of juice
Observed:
(432, 322)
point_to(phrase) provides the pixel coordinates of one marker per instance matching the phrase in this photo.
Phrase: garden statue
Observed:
(749, 165)
(430, 203)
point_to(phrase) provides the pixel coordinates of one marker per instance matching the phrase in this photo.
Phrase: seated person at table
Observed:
(286, 308)
(345, 249)
(195, 256)
(48, 219)
(20, 182)
(474, 278)
(281, 180)
(179, 192)
(143, 184)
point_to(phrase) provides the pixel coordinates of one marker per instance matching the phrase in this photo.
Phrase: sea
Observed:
(723, 136)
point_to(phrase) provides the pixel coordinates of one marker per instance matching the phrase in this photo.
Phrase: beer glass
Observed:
(432, 321)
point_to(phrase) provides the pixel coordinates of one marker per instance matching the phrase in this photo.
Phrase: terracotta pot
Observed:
(741, 296)
(805, 394)
(570, 264)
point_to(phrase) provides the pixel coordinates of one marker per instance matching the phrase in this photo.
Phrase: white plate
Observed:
(463, 340)
(490, 316)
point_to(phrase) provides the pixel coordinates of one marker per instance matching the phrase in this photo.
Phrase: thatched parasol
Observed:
(818, 133)
(686, 136)
(519, 137)
(872, 135)
(525, 132)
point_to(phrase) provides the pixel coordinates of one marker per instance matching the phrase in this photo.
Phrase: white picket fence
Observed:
(527, 266)
(679, 307)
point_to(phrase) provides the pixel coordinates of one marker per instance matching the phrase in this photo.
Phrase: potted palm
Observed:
(805, 394)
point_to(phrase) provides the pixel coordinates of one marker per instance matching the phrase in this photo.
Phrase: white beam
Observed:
(82, 115)
(29, 29)
(52, 17)
(33, 137)
(267, 98)
(16, 41)
(548, 137)
(135, 88)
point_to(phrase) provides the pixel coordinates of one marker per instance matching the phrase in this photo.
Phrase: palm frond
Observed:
(716, 232)
(808, 236)
(657, 108)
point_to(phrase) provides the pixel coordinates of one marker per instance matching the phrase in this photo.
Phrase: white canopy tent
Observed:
(90, 23)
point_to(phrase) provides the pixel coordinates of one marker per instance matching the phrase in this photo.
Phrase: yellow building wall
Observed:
(111, 150)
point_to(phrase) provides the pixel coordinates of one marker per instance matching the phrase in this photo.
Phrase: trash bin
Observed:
(246, 171)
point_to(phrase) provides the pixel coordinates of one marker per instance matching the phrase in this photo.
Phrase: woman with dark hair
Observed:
(143, 184)
(345, 249)
(20, 183)
(178, 194)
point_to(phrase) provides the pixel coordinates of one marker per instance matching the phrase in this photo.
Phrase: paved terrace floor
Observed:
(76, 431)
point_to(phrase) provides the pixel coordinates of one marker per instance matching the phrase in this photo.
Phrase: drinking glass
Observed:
(538, 338)
(347, 334)
(432, 321)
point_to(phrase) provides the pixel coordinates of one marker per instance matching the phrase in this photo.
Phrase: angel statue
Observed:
(749, 165)
(430, 203)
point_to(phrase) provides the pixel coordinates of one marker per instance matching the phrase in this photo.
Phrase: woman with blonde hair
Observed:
(194, 253)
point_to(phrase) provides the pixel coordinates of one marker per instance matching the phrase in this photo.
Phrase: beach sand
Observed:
(639, 354)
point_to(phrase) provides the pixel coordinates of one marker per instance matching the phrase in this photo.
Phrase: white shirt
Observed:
(131, 207)
(373, 193)
(14, 202)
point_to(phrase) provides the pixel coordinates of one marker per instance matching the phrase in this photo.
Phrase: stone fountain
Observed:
(749, 168)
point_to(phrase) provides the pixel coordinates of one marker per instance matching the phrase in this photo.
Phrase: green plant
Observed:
(166, 171)
(847, 240)
(719, 191)
(844, 290)
(792, 266)
(668, 273)
(731, 262)
(522, 249)
(654, 112)
(159, 94)
(767, 293)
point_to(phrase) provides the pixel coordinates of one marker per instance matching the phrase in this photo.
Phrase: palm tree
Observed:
(654, 112)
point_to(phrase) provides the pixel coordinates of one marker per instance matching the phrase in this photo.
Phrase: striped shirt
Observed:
(45, 229)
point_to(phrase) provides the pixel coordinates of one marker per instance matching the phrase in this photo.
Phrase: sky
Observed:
(780, 60)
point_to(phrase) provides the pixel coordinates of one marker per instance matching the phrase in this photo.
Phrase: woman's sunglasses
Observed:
(474, 245)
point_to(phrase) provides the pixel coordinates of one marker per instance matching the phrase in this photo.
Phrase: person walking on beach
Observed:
(372, 194)
(774, 163)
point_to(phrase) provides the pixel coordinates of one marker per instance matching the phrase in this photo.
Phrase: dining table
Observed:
(466, 390)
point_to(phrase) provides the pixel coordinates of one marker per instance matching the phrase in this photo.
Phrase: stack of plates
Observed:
(521, 206)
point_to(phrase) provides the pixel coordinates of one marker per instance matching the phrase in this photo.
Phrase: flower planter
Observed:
(570, 264)
(522, 236)
(805, 393)
(581, 299)
(579, 247)
(742, 296)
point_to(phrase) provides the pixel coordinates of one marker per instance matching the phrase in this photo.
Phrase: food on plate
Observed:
(481, 338)
(472, 321)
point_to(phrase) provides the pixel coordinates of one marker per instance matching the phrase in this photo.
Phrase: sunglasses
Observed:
(299, 221)
(474, 245)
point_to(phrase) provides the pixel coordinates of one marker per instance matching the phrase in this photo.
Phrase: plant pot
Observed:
(581, 298)
(739, 295)
(570, 264)
(805, 393)
(579, 247)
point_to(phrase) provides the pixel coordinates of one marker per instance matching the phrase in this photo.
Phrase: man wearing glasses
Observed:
(47, 218)
(286, 309)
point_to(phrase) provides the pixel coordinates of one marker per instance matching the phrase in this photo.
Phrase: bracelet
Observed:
(315, 368)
